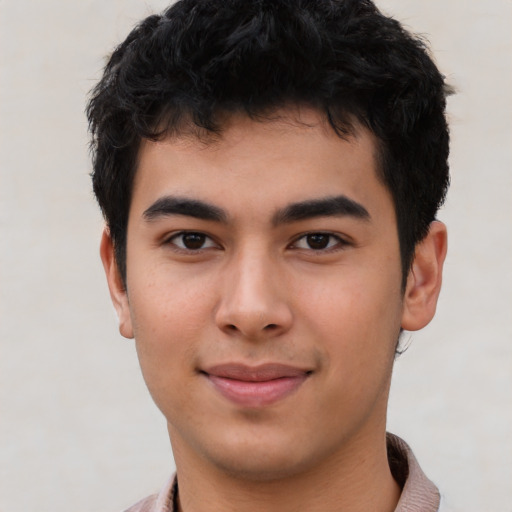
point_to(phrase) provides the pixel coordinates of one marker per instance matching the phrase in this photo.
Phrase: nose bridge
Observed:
(253, 300)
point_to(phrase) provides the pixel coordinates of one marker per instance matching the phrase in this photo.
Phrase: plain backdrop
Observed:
(78, 430)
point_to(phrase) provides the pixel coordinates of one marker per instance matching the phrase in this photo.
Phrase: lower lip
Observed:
(256, 394)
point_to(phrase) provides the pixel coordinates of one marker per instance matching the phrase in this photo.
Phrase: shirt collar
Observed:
(419, 494)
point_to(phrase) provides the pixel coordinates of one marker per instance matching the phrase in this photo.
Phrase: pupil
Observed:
(318, 241)
(193, 240)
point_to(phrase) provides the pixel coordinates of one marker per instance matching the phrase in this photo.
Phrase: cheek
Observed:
(358, 319)
(358, 333)
(164, 303)
(168, 322)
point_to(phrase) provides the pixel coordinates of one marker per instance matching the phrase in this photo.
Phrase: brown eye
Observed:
(318, 241)
(192, 241)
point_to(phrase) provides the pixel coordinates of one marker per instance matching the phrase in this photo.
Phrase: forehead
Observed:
(290, 156)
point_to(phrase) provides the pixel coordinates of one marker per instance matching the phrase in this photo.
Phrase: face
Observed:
(264, 293)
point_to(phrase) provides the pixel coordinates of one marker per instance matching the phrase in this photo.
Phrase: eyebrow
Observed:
(168, 206)
(324, 207)
(171, 205)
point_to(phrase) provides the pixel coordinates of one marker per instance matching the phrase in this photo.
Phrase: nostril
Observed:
(270, 327)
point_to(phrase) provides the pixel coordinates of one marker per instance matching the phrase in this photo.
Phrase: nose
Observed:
(253, 302)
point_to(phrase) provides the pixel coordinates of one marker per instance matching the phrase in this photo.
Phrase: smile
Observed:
(256, 386)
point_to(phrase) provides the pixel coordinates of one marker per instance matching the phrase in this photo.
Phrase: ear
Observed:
(424, 279)
(115, 284)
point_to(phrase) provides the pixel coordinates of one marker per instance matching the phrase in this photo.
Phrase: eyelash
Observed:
(339, 242)
(172, 241)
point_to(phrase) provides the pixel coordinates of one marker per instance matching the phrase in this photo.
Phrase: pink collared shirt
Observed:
(419, 494)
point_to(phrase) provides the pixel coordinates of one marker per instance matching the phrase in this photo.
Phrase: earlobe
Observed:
(115, 284)
(424, 280)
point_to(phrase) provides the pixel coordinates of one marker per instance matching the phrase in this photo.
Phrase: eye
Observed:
(319, 242)
(192, 241)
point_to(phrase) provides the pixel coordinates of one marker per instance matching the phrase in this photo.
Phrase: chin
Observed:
(261, 458)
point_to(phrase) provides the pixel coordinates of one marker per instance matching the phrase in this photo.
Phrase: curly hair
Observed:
(202, 59)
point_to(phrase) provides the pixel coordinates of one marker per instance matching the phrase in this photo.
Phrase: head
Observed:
(268, 171)
(187, 71)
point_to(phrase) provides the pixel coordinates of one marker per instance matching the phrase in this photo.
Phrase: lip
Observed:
(256, 386)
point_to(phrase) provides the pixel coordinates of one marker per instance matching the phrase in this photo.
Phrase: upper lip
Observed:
(260, 373)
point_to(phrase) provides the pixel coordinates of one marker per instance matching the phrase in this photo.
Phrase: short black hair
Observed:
(201, 60)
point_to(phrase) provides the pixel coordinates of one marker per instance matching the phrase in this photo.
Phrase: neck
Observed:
(356, 479)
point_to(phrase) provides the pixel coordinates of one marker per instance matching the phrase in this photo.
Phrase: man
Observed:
(270, 173)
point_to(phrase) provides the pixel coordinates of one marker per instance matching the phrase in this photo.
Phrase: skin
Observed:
(255, 289)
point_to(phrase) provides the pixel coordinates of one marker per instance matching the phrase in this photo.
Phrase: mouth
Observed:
(256, 386)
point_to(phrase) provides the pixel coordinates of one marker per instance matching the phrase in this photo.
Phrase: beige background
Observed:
(78, 431)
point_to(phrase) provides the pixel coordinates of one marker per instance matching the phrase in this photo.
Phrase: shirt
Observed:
(419, 494)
